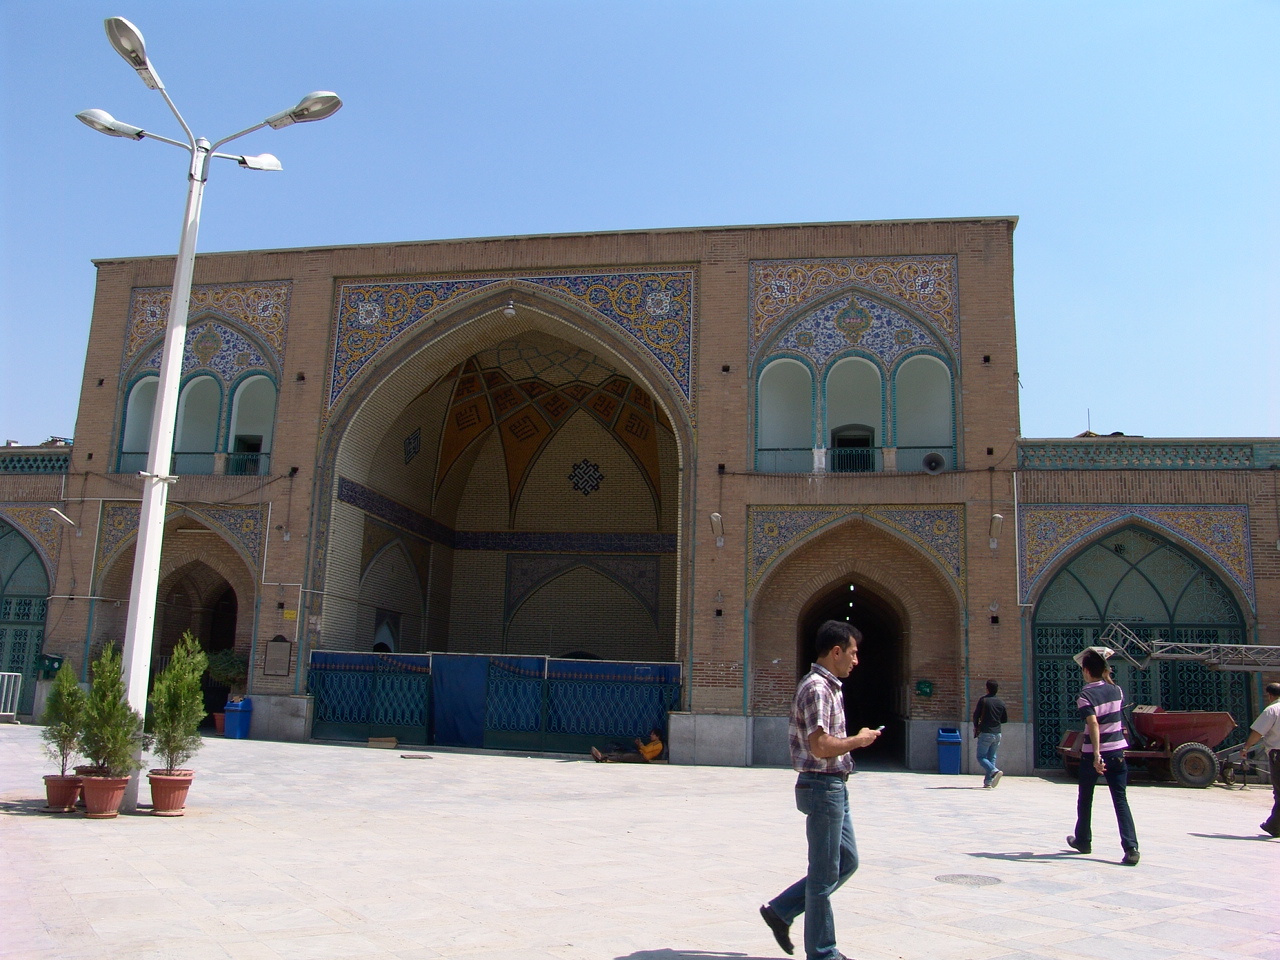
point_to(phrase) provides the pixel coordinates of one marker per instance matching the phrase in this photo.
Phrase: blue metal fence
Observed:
(527, 703)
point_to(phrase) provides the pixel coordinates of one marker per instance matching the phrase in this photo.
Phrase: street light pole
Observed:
(140, 625)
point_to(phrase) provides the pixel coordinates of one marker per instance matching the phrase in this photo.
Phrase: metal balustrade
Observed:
(10, 691)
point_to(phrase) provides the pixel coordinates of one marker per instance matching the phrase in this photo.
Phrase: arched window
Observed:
(196, 438)
(135, 439)
(253, 415)
(854, 414)
(784, 428)
(923, 413)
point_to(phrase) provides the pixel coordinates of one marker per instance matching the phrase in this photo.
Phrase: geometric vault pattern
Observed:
(1047, 532)
(41, 528)
(772, 530)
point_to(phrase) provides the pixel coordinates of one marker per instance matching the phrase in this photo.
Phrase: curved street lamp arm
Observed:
(191, 137)
(237, 136)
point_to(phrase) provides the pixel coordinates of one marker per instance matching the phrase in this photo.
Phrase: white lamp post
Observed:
(140, 626)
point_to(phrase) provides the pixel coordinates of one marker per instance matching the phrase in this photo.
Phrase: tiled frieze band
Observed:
(773, 530)
(655, 309)
(1049, 533)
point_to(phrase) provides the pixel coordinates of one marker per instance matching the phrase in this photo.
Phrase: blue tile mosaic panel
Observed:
(244, 526)
(924, 286)
(653, 308)
(1049, 532)
(41, 528)
(260, 307)
(773, 530)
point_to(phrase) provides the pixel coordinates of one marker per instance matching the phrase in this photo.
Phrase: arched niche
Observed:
(253, 414)
(784, 419)
(923, 411)
(135, 438)
(195, 441)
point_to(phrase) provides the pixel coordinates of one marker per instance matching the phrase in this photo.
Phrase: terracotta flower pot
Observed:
(169, 791)
(82, 771)
(61, 792)
(220, 724)
(103, 796)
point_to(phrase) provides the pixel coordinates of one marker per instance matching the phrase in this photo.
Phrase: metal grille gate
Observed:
(1161, 593)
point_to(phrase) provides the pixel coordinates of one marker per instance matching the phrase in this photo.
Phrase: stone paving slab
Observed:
(312, 852)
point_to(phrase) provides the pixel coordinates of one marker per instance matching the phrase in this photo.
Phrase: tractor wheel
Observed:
(1194, 765)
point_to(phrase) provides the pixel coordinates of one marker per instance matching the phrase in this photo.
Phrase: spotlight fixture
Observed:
(993, 531)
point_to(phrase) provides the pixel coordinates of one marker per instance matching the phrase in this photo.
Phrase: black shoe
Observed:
(1268, 829)
(781, 929)
(1131, 858)
(1078, 847)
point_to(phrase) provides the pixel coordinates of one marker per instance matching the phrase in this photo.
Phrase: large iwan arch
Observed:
(502, 440)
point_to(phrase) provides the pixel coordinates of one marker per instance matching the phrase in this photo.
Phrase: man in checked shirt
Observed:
(820, 754)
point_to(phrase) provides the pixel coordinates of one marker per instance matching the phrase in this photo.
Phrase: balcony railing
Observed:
(851, 460)
(248, 464)
(188, 464)
(784, 459)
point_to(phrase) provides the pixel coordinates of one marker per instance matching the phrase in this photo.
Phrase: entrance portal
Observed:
(869, 692)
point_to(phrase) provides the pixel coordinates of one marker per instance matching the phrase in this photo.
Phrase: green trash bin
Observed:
(48, 665)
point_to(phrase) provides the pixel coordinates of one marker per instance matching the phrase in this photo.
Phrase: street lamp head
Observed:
(263, 161)
(314, 106)
(104, 122)
(127, 41)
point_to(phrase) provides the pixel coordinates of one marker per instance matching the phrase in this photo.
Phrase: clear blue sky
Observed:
(1136, 141)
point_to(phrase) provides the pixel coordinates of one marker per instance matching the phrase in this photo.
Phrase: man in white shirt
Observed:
(1267, 729)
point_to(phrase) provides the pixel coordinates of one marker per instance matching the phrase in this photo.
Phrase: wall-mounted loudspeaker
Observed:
(933, 463)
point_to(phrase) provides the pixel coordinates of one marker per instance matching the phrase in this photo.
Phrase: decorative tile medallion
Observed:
(527, 572)
(41, 528)
(260, 307)
(773, 530)
(217, 348)
(655, 309)
(1050, 532)
(854, 322)
(585, 477)
(925, 286)
(244, 526)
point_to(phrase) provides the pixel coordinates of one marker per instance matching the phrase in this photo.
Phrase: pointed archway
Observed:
(908, 611)
(506, 449)
(869, 699)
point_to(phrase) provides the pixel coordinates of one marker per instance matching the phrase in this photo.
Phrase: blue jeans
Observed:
(1117, 777)
(833, 857)
(988, 745)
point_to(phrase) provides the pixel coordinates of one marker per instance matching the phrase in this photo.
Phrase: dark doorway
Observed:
(222, 621)
(871, 691)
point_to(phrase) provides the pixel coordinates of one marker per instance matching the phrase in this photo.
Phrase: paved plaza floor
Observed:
(310, 851)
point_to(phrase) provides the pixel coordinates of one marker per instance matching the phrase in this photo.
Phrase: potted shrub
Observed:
(111, 737)
(232, 671)
(177, 707)
(63, 721)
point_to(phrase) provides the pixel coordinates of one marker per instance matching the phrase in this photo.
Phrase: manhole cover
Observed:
(967, 879)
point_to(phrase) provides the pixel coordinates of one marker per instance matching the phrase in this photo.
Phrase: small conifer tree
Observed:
(111, 737)
(177, 704)
(63, 718)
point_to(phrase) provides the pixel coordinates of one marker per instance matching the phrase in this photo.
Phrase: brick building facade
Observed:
(682, 445)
